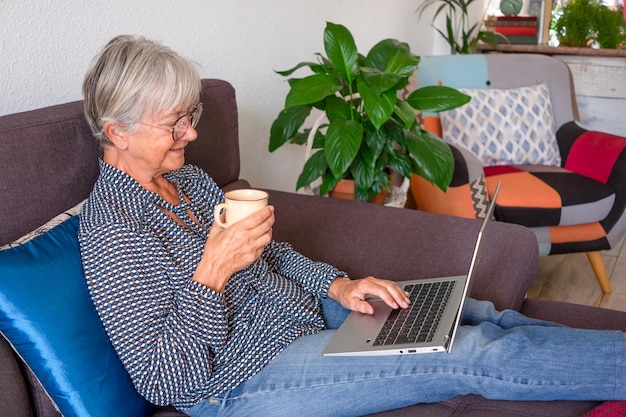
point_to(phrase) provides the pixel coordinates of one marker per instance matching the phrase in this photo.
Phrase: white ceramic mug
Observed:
(239, 204)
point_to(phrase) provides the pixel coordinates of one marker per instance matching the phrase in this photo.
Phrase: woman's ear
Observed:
(115, 134)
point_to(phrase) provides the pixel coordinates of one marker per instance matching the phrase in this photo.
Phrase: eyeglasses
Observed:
(181, 125)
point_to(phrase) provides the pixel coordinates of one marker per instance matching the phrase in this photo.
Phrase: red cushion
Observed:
(601, 148)
(608, 409)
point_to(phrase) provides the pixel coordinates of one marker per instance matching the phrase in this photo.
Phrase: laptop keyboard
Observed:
(419, 322)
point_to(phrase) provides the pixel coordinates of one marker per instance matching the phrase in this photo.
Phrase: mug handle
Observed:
(217, 215)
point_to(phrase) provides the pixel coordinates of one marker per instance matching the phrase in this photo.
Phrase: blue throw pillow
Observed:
(47, 315)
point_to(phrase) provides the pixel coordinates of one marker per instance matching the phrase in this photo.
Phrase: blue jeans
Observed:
(500, 355)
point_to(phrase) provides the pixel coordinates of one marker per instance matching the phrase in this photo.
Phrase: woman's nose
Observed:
(190, 135)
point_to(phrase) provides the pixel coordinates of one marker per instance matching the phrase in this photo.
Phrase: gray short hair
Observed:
(133, 77)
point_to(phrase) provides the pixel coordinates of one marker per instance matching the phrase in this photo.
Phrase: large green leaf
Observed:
(337, 108)
(286, 125)
(380, 81)
(392, 132)
(375, 143)
(391, 55)
(312, 89)
(343, 140)
(369, 187)
(362, 174)
(290, 71)
(341, 51)
(400, 163)
(365, 156)
(437, 98)
(302, 137)
(379, 108)
(314, 168)
(433, 158)
(328, 183)
(382, 181)
(405, 113)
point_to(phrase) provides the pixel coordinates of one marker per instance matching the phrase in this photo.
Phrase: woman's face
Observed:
(152, 149)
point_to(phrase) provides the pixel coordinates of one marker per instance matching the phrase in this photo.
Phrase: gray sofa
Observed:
(48, 164)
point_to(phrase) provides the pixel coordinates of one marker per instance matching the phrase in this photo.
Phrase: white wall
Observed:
(46, 45)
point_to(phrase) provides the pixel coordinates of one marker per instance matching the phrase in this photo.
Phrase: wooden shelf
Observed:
(550, 50)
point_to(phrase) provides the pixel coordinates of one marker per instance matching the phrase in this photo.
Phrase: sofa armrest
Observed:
(366, 239)
(575, 315)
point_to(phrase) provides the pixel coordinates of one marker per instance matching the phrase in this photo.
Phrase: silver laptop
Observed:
(428, 325)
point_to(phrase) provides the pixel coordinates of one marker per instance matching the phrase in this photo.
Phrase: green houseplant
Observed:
(610, 28)
(461, 35)
(370, 131)
(580, 22)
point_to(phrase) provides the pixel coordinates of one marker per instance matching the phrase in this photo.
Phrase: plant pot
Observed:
(344, 190)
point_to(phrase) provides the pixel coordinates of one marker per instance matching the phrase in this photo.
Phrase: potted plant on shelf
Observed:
(462, 36)
(579, 23)
(370, 131)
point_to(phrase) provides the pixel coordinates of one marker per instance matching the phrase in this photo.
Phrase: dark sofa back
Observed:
(48, 161)
(47, 165)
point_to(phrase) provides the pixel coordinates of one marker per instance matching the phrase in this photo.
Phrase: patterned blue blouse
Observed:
(180, 341)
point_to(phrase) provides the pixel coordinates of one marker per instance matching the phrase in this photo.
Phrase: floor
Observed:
(570, 278)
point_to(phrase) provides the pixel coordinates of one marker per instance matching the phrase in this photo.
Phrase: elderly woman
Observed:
(228, 322)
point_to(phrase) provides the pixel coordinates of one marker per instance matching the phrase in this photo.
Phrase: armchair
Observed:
(562, 181)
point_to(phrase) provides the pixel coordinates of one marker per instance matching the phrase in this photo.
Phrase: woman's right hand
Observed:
(228, 250)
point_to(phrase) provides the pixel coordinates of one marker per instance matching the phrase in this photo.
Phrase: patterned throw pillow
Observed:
(505, 127)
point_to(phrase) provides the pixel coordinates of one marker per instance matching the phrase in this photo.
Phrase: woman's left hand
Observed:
(353, 294)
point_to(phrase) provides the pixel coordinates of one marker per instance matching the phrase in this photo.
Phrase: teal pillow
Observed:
(47, 315)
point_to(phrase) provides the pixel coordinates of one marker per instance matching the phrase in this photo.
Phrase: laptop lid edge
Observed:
(475, 256)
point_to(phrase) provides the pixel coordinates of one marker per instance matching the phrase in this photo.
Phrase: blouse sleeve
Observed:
(166, 337)
(313, 277)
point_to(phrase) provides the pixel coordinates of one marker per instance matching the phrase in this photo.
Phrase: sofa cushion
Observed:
(559, 197)
(47, 315)
(505, 126)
